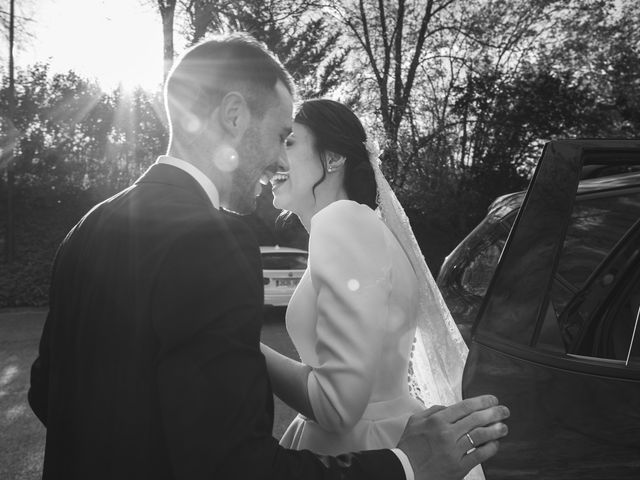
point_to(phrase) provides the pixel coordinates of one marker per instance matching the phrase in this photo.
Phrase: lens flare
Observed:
(353, 285)
(225, 158)
(191, 123)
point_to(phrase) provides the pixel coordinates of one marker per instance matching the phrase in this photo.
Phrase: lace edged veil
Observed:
(439, 353)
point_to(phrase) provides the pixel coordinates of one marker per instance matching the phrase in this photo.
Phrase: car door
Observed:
(542, 341)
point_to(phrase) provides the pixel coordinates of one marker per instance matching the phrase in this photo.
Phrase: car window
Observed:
(620, 327)
(612, 330)
(464, 281)
(527, 276)
(479, 270)
(597, 224)
(284, 261)
(475, 267)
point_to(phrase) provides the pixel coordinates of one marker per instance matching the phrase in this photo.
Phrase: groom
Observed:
(149, 365)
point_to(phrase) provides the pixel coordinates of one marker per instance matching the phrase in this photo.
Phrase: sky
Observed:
(113, 41)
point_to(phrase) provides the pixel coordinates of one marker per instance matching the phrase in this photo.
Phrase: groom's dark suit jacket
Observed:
(149, 364)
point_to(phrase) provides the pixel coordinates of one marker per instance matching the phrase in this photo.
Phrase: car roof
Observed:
(279, 249)
(600, 184)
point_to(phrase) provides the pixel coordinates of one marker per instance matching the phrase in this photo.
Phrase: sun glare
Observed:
(117, 42)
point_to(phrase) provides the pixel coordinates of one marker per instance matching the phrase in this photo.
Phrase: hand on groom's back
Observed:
(437, 440)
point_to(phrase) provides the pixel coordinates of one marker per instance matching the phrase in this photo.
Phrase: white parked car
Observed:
(282, 269)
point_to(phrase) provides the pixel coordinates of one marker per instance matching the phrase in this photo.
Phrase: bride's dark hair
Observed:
(335, 128)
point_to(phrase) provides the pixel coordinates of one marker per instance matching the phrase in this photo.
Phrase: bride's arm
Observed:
(289, 380)
(350, 271)
(350, 276)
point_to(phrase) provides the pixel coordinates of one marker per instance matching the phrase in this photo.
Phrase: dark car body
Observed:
(555, 337)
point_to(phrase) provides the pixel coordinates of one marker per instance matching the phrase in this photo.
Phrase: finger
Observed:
(479, 455)
(468, 406)
(424, 414)
(481, 436)
(481, 418)
(433, 409)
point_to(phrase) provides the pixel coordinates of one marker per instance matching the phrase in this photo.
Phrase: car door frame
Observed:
(494, 346)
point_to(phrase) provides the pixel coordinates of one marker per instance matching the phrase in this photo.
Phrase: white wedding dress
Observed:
(353, 320)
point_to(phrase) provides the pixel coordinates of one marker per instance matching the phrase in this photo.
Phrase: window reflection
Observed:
(597, 225)
(476, 276)
(465, 283)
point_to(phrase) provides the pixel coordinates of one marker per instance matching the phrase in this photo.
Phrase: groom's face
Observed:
(261, 147)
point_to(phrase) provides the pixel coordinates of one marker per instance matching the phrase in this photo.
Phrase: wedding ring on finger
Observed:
(473, 444)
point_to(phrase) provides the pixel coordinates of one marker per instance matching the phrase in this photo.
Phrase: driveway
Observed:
(21, 433)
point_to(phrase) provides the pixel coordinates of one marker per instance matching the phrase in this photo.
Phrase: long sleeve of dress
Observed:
(350, 271)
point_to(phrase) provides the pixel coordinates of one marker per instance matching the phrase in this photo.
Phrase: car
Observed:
(282, 269)
(556, 335)
(598, 217)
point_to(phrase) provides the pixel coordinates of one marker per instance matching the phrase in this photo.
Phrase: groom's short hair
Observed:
(206, 72)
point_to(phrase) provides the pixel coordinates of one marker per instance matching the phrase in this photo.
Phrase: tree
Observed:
(599, 49)
(392, 35)
(206, 16)
(75, 135)
(553, 69)
(167, 10)
(308, 46)
(77, 146)
(13, 23)
(8, 146)
(22, 18)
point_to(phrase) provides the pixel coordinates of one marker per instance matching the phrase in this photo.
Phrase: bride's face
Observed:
(298, 173)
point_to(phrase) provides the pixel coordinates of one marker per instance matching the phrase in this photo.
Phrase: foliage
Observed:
(75, 145)
(43, 219)
(392, 38)
(73, 134)
(495, 79)
(305, 42)
(462, 93)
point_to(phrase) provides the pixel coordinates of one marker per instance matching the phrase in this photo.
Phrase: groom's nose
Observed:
(283, 162)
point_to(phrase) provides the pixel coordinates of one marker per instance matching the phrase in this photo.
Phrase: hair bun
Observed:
(360, 183)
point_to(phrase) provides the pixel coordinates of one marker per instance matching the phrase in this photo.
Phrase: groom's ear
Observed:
(233, 114)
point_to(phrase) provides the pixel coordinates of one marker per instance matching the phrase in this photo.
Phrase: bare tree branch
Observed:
(385, 39)
(398, 93)
(416, 58)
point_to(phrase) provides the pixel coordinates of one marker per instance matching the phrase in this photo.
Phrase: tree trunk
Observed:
(167, 11)
(9, 251)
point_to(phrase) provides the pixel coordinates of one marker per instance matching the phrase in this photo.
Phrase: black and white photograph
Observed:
(319, 239)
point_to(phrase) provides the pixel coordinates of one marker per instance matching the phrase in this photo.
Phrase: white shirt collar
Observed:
(197, 174)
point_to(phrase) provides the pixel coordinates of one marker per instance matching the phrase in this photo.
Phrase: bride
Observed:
(376, 341)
